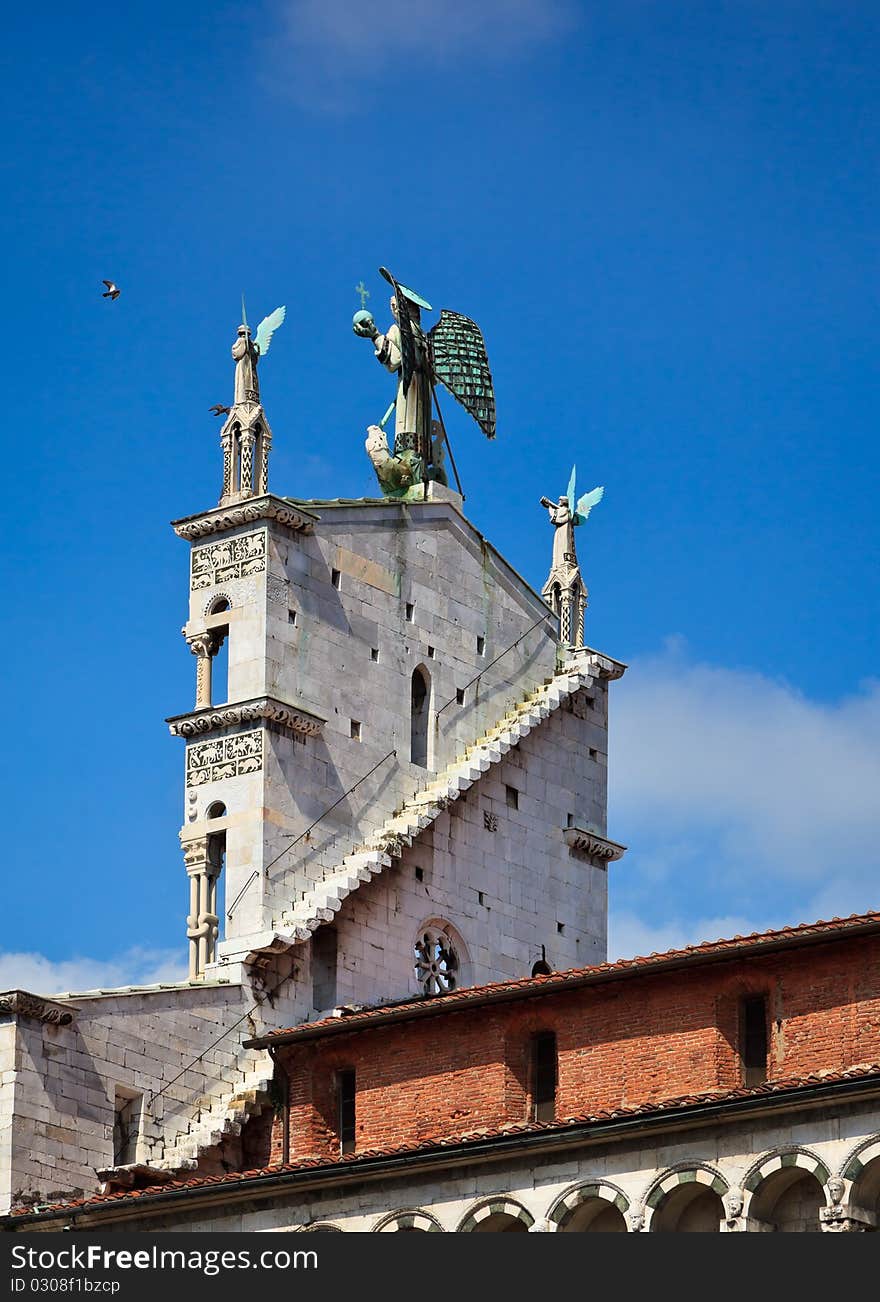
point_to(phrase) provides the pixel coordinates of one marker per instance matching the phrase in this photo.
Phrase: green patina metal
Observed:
(461, 364)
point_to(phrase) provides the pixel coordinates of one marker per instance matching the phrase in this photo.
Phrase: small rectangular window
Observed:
(374, 653)
(512, 797)
(291, 617)
(410, 612)
(570, 820)
(753, 1039)
(430, 653)
(459, 696)
(355, 730)
(335, 578)
(345, 1095)
(420, 874)
(544, 1076)
(481, 646)
(126, 1124)
(560, 928)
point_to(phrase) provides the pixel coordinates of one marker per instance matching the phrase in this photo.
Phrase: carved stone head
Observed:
(836, 1188)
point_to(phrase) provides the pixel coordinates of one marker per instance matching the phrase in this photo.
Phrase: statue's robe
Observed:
(412, 416)
(563, 539)
(246, 353)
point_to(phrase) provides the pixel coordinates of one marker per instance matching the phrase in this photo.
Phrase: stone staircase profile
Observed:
(224, 1119)
(324, 900)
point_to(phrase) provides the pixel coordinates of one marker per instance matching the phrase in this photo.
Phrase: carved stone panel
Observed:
(225, 757)
(221, 562)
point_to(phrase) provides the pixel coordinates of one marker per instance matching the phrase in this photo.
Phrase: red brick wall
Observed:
(625, 1042)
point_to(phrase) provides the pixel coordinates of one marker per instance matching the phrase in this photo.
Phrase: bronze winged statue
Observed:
(451, 353)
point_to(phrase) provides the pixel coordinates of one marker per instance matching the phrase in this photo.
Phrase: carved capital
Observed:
(204, 644)
(195, 855)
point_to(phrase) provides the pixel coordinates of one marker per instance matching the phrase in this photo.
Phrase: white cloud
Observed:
(330, 48)
(740, 794)
(629, 936)
(44, 976)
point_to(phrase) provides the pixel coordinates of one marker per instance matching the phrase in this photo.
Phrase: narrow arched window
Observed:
(419, 717)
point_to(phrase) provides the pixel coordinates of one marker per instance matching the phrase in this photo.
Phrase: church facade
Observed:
(399, 1014)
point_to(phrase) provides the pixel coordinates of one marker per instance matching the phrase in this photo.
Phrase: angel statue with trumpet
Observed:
(565, 591)
(453, 353)
(246, 437)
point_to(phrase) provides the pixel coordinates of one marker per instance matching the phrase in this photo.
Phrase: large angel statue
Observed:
(565, 590)
(246, 437)
(451, 352)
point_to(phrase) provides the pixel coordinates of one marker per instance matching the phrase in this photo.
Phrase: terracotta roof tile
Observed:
(559, 980)
(862, 1071)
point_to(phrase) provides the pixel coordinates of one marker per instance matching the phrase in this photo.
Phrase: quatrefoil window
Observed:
(436, 962)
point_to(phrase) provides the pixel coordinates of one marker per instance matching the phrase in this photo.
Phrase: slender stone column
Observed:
(265, 445)
(226, 440)
(204, 647)
(248, 438)
(202, 923)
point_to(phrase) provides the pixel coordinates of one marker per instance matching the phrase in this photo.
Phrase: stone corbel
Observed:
(590, 843)
(23, 1004)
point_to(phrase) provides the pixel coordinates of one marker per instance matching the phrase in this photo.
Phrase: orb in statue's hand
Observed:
(363, 324)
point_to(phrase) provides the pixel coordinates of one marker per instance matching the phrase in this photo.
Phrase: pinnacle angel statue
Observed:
(453, 353)
(246, 437)
(565, 591)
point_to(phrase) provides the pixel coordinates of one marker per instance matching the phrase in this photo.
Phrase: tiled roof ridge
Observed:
(560, 980)
(859, 1071)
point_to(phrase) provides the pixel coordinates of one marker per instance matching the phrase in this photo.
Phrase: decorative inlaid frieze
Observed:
(234, 558)
(225, 757)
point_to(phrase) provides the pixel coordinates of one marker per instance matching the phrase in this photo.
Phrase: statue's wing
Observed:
(586, 504)
(407, 338)
(267, 328)
(460, 362)
(570, 493)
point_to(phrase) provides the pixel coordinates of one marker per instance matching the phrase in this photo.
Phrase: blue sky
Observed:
(663, 217)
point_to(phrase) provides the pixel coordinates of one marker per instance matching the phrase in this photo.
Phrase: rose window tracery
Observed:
(436, 962)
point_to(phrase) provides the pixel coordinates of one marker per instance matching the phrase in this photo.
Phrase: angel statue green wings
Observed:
(565, 590)
(246, 437)
(452, 353)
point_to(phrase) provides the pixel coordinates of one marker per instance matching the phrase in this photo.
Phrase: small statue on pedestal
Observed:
(565, 591)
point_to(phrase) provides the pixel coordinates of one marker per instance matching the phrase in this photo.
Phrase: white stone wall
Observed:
(309, 641)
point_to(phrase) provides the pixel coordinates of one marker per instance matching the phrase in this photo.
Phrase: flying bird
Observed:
(112, 291)
(219, 410)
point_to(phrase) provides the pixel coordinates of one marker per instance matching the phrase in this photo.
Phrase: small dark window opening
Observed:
(594, 754)
(345, 1095)
(420, 874)
(430, 653)
(335, 578)
(291, 617)
(560, 927)
(126, 1123)
(374, 653)
(410, 612)
(324, 966)
(753, 1033)
(481, 646)
(512, 797)
(355, 730)
(544, 1076)
(217, 810)
(570, 820)
(541, 968)
(459, 696)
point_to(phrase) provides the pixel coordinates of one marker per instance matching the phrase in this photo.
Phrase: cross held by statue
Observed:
(363, 291)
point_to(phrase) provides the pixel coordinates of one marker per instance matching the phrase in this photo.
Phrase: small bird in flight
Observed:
(112, 291)
(219, 410)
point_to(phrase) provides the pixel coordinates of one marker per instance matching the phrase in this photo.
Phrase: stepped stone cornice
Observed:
(260, 709)
(267, 507)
